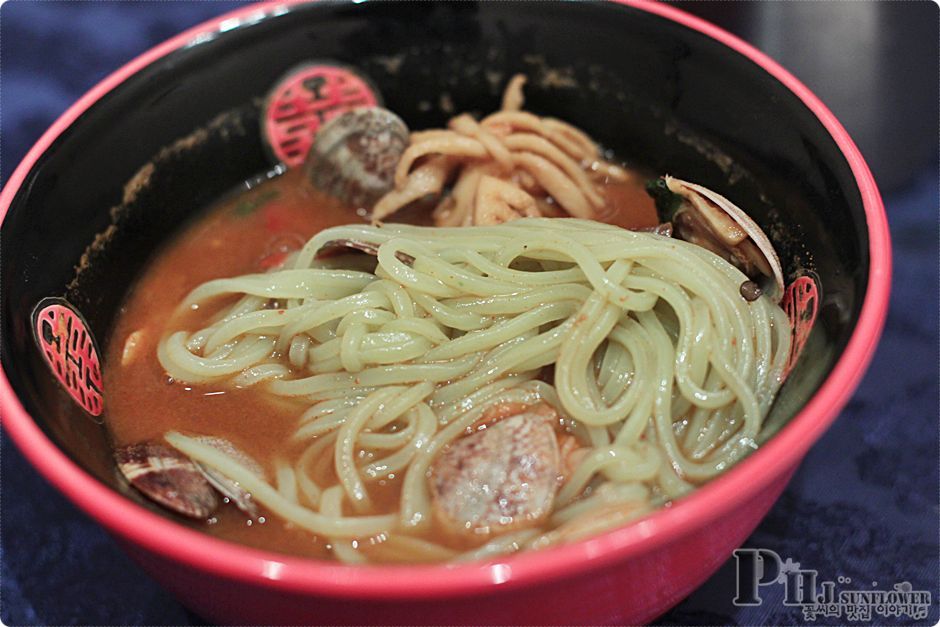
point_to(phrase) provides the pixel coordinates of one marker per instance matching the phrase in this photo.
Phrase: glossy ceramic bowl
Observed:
(179, 126)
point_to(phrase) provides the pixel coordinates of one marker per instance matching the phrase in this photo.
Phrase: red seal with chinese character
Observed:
(305, 99)
(801, 304)
(70, 351)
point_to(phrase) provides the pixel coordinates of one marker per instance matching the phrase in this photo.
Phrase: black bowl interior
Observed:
(185, 130)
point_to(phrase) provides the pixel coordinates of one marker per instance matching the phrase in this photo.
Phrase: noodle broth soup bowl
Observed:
(178, 127)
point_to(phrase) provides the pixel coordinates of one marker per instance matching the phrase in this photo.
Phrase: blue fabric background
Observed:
(863, 505)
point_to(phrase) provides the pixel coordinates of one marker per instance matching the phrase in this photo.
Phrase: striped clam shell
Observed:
(338, 246)
(228, 488)
(168, 478)
(353, 157)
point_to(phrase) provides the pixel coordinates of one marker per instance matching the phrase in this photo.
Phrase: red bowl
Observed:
(629, 575)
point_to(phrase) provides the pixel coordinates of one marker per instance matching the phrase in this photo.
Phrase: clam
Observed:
(339, 246)
(664, 229)
(168, 478)
(501, 478)
(228, 488)
(173, 480)
(710, 220)
(354, 156)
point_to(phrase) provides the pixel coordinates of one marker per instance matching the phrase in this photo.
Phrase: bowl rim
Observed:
(135, 524)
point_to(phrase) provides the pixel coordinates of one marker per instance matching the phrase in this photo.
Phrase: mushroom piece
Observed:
(501, 478)
(708, 219)
(499, 201)
(354, 156)
(168, 478)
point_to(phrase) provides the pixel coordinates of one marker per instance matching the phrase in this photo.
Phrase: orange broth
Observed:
(245, 233)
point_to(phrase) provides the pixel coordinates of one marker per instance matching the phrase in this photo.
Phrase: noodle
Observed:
(662, 373)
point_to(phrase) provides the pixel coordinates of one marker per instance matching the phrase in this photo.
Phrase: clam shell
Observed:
(353, 157)
(499, 479)
(664, 229)
(231, 489)
(168, 478)
(690, 191)
(338, 246)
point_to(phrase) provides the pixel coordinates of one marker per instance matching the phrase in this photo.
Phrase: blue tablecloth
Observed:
(864, 505)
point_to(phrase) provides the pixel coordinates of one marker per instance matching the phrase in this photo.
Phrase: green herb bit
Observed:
(667, 201)
(250, 205)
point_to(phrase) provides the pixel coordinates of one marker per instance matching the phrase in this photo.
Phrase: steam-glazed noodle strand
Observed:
(662, 372)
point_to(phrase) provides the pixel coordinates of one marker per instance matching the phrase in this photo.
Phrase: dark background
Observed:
(864, 504)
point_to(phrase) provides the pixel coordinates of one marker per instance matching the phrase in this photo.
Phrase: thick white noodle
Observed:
(662, 371)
